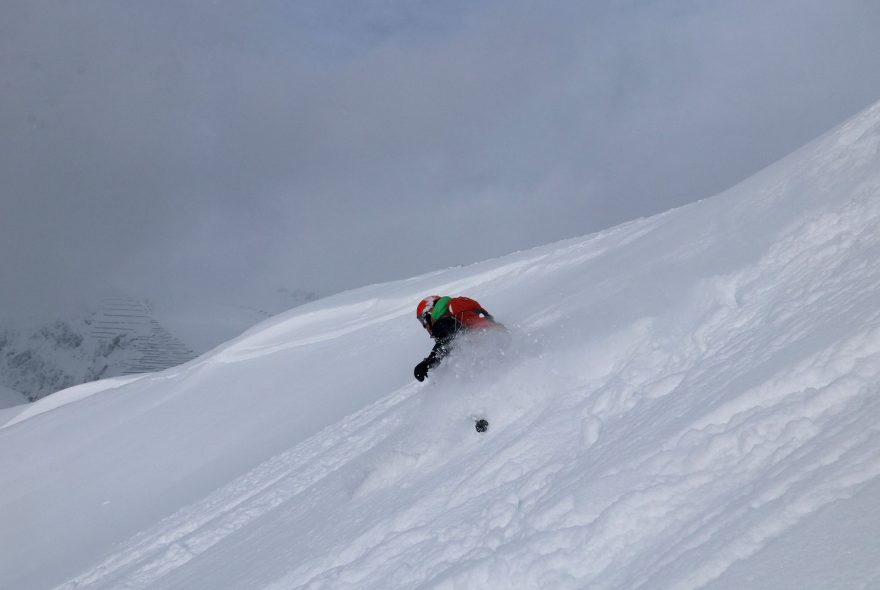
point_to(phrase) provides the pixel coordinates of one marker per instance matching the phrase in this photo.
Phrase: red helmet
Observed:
(423, 311)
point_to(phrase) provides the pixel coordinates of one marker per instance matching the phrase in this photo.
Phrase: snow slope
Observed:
(25, 410)
(687, 401)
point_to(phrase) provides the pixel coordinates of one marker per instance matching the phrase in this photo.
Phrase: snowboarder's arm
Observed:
(440, 350)
(444, 331)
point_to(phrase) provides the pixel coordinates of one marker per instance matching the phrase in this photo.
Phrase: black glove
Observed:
(421, 370)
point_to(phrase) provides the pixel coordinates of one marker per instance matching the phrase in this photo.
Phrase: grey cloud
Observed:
(186, 147)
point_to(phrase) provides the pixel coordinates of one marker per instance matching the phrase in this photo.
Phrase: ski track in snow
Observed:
(179, 538)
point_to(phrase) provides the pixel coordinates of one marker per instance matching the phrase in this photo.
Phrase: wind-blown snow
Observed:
(687, 401)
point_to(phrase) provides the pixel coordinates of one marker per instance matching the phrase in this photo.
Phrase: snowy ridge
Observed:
(689, 401)
(22, 412)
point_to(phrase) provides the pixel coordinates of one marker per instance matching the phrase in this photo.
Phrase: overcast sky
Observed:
(223, 149)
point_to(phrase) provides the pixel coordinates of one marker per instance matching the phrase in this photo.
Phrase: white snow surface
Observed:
(16, 414)
(687, 401)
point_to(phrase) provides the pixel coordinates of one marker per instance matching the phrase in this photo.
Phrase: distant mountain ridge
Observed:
(123, 335)
(121, 338)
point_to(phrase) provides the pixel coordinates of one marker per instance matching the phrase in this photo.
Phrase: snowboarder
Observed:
(445, 318)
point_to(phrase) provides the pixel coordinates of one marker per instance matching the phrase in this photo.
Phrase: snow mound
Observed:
(686, 401)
